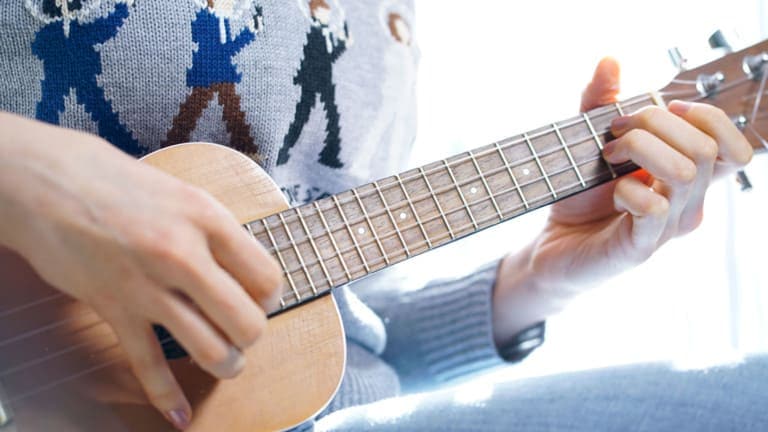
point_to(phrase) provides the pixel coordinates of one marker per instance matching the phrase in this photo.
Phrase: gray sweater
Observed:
(321, 104)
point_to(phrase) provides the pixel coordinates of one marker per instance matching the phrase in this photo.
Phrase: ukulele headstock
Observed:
(736, 83)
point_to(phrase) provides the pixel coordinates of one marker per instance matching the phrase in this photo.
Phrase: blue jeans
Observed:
(632, 398)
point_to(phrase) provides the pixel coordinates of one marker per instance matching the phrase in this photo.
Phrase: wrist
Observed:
(522, 298)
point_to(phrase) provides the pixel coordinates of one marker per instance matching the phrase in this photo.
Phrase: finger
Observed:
(240, 255)
(604, 87)
(649, 210)
(225, 303)
(674, 173)
(199, 338)
(689, 140)
(659, 159)
(151, 369)
(734, 151)
(249, 263)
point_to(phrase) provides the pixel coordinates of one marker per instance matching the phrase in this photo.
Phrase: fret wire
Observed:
(598, 142)
(541, 167)
(511, 174)
(392, 218)
(253, 236)
(351, 234)
(333, 241)
(413, 209)
(568, 152)
(437, 203)
(518, 163)
(370, 225)
(535, 199)
(282, 261)
(566, 123)
(461, 194)
(314, 247)
(298, 254)
(522, 161)
(619, 109)
(485, 183)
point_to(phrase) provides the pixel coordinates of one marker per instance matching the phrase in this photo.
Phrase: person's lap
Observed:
(632, 398)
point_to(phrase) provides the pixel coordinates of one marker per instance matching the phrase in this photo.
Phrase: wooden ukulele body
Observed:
(291, 374)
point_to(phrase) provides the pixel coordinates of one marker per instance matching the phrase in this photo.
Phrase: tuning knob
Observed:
(718, 41)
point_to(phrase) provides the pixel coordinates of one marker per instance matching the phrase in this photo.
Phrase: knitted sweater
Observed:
(323, 102)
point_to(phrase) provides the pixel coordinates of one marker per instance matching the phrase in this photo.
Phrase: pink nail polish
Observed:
(180, 418)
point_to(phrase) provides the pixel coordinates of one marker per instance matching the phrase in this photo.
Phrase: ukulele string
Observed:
(439, 217)
(759, 96)
(57, 324)
(91, 369)
(51, 326)
(387, 207)
(51, 385)
(377, 260)
(289, 218)
(502, 145)
(38, 302)
(280, 248)
(355, 269)
(507, 143)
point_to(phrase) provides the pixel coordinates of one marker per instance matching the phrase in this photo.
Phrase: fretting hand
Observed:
(605, 231)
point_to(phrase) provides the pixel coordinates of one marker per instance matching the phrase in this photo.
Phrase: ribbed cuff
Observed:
(444, 331)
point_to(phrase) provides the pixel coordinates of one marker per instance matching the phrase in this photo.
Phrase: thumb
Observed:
(604, 86)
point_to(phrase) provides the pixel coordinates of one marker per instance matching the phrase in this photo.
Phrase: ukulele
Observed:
(61, 367)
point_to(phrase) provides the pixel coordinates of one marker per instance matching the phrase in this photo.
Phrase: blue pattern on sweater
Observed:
(72, 62)
(212, 62)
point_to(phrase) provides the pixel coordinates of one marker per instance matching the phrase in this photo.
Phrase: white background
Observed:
(491, 69)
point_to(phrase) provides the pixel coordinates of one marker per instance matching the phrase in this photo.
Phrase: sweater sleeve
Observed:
(442, 332)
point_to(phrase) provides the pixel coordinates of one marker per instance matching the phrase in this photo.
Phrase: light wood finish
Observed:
(291, 374)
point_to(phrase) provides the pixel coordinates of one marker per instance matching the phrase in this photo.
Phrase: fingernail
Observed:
(609, 148)
(679, 107)
(619, 123)
(179, 418)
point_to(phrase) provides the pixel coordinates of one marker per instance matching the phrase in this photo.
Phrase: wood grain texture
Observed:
(291, 374)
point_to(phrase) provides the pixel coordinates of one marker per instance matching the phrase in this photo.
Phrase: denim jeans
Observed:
(651, 397)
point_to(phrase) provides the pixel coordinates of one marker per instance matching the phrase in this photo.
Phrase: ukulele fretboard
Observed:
(344, 237)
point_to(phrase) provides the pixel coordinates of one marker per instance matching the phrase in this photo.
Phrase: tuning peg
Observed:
(677, 58)
(718, 41)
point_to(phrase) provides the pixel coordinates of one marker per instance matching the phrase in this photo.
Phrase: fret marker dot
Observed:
(473, 190)
(361, 230)
(403, 215)
(526, 171)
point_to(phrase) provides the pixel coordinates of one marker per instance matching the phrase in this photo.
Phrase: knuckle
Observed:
(253, 331)
(685, 173)
(213, 356)
(647, 116)
(744, 156)
(633, 140)
(707, 151)
(658, 207)
(713, 114)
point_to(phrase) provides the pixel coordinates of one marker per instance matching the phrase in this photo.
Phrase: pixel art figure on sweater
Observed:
(213, 72)
(315, 76)
(67, 47)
